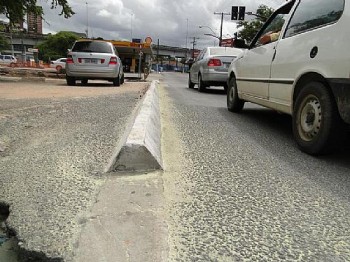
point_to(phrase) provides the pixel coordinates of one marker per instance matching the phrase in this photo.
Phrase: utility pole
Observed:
(193, 45)
(222, 22)
(158, 56)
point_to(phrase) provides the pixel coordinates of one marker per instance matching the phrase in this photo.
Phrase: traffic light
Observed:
(234, 13)
(241, 13)
(238, 13)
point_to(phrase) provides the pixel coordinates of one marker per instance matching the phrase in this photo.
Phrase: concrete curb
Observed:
(142, 148)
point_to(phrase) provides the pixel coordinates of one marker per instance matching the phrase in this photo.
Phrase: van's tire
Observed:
(201, 85)
(84, 82)
(190, 83)
(234, 103)
(116, 81)
(122, 80)
(317, 126)
(70, 80)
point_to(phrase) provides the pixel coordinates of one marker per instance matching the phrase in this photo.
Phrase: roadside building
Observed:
(134, 54)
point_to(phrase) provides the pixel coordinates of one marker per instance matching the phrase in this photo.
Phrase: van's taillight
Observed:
(214, 62)
(113, 61)
(69, 60)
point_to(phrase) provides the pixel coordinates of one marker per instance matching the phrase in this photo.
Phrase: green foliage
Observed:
(15, 10)
(55, 46)
(4, 43)
(250, 28)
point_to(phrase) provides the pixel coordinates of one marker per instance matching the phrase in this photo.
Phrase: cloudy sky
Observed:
(167, 20)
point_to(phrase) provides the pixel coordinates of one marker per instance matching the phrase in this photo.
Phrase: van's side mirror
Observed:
(239, 43)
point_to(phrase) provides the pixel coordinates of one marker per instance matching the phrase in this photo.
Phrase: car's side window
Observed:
(205, 52)
(115, 50)
(311, 14)
(271, 29)
(200, 56)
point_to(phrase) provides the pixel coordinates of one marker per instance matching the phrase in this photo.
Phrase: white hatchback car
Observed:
(304, 73)
(8, 60)
(59, 64)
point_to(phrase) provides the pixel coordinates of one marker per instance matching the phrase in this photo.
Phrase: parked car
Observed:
(8, 60)
(59, 64)
(304, 73)
(211, 66)
(94, 59)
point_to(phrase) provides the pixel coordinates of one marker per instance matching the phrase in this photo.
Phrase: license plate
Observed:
(227, 65)
(91, 61)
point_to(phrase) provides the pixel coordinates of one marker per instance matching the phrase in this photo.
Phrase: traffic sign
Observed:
(33, 50)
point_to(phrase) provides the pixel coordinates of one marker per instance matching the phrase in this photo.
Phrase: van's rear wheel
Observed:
(317, 126)
(70, 80)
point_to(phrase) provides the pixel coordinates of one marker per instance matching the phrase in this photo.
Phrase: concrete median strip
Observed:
(141, 150)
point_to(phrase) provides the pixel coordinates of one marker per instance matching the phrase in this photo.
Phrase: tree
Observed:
(4, 44)
(15, 10)
(55, 46)
(250, 28)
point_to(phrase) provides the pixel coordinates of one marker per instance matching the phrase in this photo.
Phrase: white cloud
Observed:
(161, 19)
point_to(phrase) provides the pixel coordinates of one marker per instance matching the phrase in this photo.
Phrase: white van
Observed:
(304, 73)
(8, 60)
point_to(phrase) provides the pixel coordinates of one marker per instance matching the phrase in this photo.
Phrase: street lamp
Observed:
(202, 26)
(213, 36)
(260, 16)
(131, 18)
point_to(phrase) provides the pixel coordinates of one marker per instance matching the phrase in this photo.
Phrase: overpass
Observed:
(170, 51)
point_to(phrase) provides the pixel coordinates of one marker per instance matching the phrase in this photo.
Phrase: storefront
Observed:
(132, 52)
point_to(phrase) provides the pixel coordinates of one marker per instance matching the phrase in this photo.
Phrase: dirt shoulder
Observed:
(58, 88)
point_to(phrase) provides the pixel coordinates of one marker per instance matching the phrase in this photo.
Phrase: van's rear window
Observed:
(92, 47)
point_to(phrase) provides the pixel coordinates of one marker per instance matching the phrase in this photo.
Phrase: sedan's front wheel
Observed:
(234, 103)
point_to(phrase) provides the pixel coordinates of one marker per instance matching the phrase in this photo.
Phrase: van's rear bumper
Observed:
(341, 92)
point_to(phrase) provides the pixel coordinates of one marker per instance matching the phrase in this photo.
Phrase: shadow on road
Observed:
(211, 91)
(277, 129)
(273, 132)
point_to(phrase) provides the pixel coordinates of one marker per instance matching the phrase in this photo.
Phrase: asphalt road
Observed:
(238, 189)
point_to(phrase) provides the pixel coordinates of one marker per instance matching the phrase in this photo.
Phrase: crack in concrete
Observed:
(116, 239)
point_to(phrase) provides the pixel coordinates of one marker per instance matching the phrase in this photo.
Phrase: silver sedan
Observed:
(211, 67)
